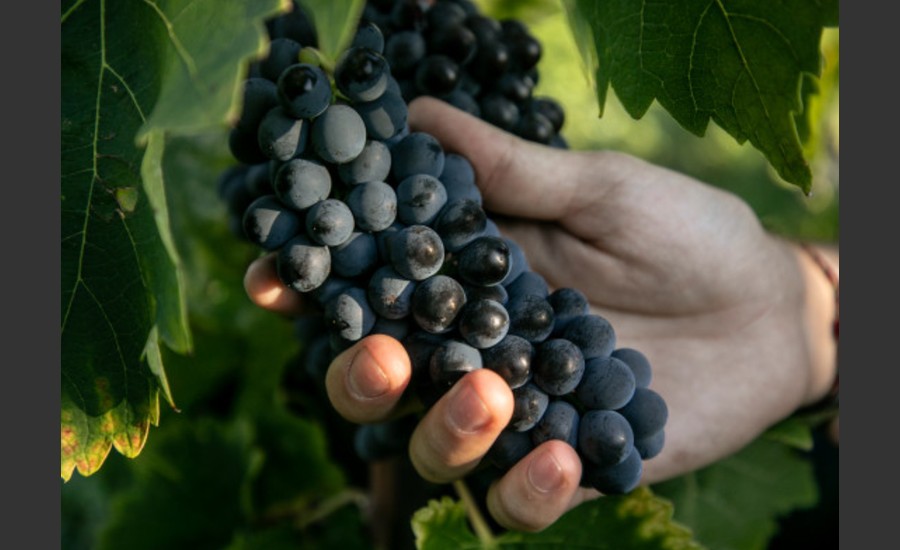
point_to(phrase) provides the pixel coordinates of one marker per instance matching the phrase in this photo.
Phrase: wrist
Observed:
(819, 266)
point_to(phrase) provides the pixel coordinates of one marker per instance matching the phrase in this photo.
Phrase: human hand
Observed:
(728, 315)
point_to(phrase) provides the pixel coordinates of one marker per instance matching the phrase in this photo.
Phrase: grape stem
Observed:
(479, 524)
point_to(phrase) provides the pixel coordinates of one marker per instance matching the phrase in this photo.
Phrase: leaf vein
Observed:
(176, 42)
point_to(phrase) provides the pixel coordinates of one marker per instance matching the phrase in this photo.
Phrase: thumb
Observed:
(516, 177)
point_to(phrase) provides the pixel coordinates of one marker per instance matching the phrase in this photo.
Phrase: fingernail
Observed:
(467, 412)
(544, 473)
(365, 378)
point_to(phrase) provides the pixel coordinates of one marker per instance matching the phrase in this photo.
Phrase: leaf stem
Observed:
(479, 524)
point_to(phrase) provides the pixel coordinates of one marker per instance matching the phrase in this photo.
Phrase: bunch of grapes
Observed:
(386, 232)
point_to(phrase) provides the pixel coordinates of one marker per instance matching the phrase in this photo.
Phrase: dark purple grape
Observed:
(529, 405)
(385, 117)
(349, 315)
(509, 448)
(452, 360)
(301, 183)
(302, 264)
(511, 358)
(604, 437)
(483, 323)
(417, 153)
(416, 252)
(558, 366)
(329, 222)
(372, 164)
(646, 412)
(373, 204)
(304, 90)
(437, 75)
(616, 479)
(369, 35)
(436, 303)
(530, 317)
(567, 303)
(560, 421)
(361, 74)
(269, 224)
(390, 294)
(607, 383)
(593, 334)
(420, 197)
(283, 52)
(459, 223)
(485, 261)
(638, 363)
(651, 445)
(355, 257)
(338, 134)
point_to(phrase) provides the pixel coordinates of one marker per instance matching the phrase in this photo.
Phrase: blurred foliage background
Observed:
(244, 451)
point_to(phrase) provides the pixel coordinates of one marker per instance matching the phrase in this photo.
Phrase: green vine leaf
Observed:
(737, 62)
(734, 504)
(133, 72)
(637, 521)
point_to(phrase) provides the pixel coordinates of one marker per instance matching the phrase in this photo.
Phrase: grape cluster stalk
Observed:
(386, 233)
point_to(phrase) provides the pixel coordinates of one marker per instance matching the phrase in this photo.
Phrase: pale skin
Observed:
(735, 321)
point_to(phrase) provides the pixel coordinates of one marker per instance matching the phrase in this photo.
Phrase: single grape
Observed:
(459, 223)
(338, 134)
(651, 445)
(283, 52)
(349, 315)
(355, 257)
(560, 421)
(417, 153)
(301, 183)
(638, 363)
(615, 479)
(509, 448)
(373, 204)
(646, 412)
(269, 224)
(558, 366)
(372, 164)
(282, 137)
(361, 74)
(416, 252)
(302, 264)
(604, 437)
(530, 317)
(485, 261)
(390, 294)
(436, 303)
(385, 117)
(511, 358)
(329, 222)
(420, 197)
(369, 35)
(529, 405)
(483, 323)
(258, 97)
(304, 90)
(593, 334)
(607, 383)
(567, 303)
(452, 360)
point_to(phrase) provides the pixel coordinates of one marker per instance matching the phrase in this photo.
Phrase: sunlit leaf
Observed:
(637, 521)
(132, 72)
(737, 62)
